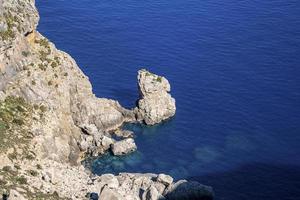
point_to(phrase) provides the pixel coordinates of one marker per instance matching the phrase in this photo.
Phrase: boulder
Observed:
(107, 142)
(156, 104)
(165, 179)
(152, 194)
(123, 147)
(109, 194)
(109, 180)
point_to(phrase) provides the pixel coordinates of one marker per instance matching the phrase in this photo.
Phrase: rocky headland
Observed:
(50, 120)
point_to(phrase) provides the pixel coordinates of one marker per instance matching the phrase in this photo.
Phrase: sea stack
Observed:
(156, 104)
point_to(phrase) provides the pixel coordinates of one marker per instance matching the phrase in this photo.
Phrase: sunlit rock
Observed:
(123, 147)
(156, 104)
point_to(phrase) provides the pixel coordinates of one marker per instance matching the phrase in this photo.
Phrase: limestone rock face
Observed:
(123, 147)
(32, 68)
(156, 104)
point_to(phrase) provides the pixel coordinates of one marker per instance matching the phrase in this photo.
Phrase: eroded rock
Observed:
(165, 179)
(156, 104)
(123, 147)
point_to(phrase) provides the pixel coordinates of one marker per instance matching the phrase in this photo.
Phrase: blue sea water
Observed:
(234, 68)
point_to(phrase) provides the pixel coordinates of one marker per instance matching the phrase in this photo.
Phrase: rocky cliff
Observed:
(49, 118)
(33, 69)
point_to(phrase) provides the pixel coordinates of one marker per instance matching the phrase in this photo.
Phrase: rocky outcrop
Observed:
(156, 104)
(123, 147)
(60, 181)
(32, 68)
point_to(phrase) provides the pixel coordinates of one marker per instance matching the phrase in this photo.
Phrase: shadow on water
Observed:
(255, 181)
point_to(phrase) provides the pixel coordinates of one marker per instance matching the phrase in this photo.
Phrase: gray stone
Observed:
(123, 147)
(109, 180)
(107, 142)
(90, 129)
(165, 179)
(109, 194)
(152, 194)
(124, 133)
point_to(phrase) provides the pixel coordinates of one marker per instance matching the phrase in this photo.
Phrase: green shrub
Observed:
(43, 42)
(3, 182)
(21, 180)
(6, 168)
(29, 157)
(12, 156)
(18, 122)
(17, 167)
(42, 67)
(38, 166)
(53, 64)
(159, 79)
(43, 108)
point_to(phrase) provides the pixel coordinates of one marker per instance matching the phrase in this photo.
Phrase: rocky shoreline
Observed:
(50, 120)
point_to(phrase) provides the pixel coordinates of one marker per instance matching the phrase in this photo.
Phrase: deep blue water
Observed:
(234, 68)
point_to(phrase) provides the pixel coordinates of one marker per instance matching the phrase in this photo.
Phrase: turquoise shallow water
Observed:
(234, 71)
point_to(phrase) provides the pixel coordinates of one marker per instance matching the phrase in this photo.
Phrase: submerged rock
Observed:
(156, 104)
(123, 147)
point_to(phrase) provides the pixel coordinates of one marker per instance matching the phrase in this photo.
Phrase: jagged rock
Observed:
(90, 129)
(109, 180)
(109, 194)
(165, 179)
(32, 68)
(156, 104)
(160, 187)
(124, 133)
(107, 142)
(152, 194)
(123, 147)
(83, 145)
